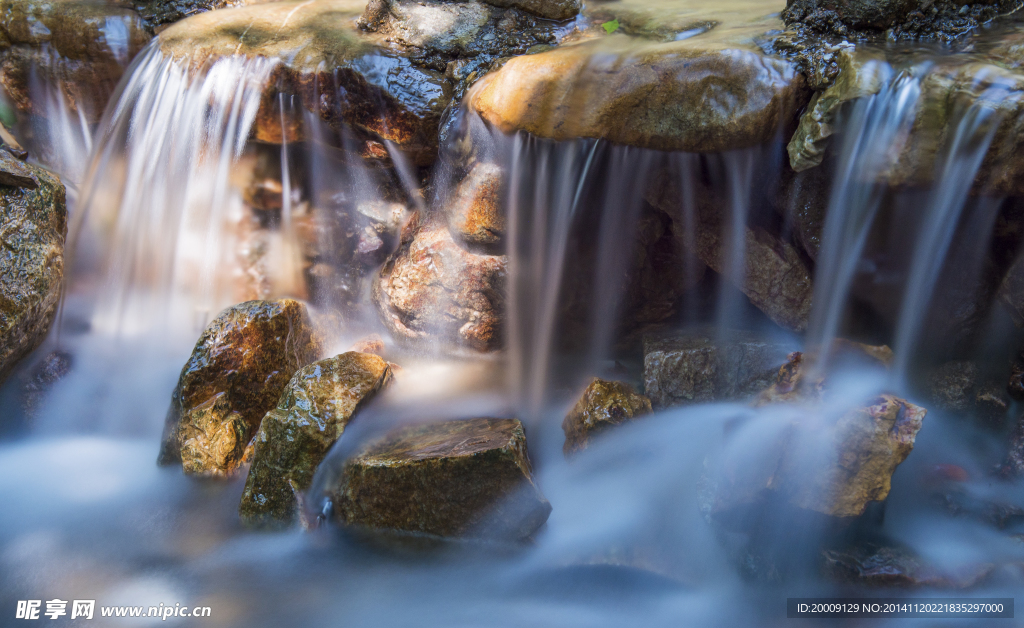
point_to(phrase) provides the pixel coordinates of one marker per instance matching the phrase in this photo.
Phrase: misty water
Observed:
(160, 241)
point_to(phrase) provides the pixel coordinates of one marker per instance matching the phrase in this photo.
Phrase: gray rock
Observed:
(695, 366)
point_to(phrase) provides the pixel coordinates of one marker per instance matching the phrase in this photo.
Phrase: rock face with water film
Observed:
(833, 465)
(434, 290)
(439, 32)
(468, 478)
(236, 373)
(944, 20)
(33, 226)
(881, 565)
(81, 48)
(336, 72)
(475, 212)
(774, 276)
(673, 96)
(294, 437)
(603, 405)
(702, 365)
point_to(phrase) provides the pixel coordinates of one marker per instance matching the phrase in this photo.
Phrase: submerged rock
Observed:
(603, 405)
(1013, 466)
(877, 565)
(959, 387)
(660, 96)
(236, 373)
(702, 365)
(33, 226)
(432, 290)
(294, 437)
(335, 70)
(468, 478)
(830, 464)
(81, 48)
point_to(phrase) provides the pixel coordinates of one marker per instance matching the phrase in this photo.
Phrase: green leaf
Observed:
(611, 27)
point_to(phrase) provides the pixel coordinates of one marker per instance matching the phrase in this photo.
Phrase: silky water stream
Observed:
(163, 240)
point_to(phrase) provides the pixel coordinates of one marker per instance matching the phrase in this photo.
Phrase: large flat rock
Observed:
(466, 478)
(689, 95)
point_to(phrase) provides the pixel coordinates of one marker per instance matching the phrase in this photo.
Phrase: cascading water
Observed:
(605, 245)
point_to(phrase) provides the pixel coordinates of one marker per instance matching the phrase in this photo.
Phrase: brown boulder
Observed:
(432, 289)
(236, 373)
(603, 405)
(294, 437)
(469, 478)
(673, 96)
(33, 226)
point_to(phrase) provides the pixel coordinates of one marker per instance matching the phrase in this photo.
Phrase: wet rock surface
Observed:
(476, 213)
(603, 405)
(14, 173)
(294, 437)
(160, 12)
(433, 290)
(437, 33)
(832, 464)
(943, 20)
(33, 227)
(880, 565)
(775, 275)
(82, 48)
(469, 478)
(240, 366)
(658, 97)
(329, 64)
(959, 386)
(700, 365)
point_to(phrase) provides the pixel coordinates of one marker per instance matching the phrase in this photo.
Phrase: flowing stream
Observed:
(162, 239)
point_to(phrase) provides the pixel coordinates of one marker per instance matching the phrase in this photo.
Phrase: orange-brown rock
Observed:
(603, 405)
(672, 96)
(475, 211)
(433, 290)
(236, 373)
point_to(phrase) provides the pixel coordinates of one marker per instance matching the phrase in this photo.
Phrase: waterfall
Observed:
(873, 136)
(158, 193)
